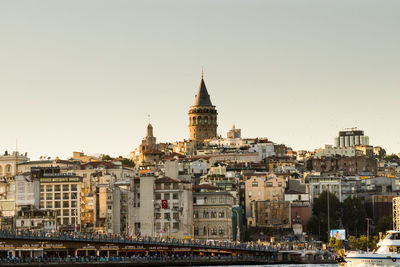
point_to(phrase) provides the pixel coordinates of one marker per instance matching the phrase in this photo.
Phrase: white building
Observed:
(27, 191)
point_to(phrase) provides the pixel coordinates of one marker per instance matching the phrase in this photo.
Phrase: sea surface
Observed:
(286, 265)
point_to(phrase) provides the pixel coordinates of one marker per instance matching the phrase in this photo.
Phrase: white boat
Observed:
(386, 254)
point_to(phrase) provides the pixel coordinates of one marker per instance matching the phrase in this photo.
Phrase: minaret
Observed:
(202, 116)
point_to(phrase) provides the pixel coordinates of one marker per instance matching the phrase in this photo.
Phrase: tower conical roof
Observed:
(202, 97)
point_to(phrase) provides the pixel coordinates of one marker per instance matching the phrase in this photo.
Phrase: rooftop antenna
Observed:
(202, 72)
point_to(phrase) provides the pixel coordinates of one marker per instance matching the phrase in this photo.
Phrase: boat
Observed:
(386, 254)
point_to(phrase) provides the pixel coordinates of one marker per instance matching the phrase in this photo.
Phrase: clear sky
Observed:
(83, 75)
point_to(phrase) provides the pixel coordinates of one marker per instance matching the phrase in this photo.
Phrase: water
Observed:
(286, 265)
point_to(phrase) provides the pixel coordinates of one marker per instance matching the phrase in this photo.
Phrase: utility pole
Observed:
(368, 219)
(329, 226)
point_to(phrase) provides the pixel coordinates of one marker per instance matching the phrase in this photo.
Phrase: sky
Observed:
(84, 75)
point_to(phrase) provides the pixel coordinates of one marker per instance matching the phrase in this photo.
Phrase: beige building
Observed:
(149, 152)
(212, 213)
(142, 216)
(254, 191)
(119, 200)
(202, 116)
(272, 214)
(9, 163)
(60, 192)
(234, 133)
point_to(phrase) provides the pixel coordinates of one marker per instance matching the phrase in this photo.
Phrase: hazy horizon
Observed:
(84, 75)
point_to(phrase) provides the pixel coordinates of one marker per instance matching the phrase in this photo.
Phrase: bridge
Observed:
(39, 244)
(93, 248)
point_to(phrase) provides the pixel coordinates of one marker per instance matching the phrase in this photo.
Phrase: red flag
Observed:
(164, 204)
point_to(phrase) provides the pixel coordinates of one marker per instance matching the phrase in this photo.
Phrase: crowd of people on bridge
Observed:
(138, 258)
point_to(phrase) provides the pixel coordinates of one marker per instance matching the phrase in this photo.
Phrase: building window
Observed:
(57, 196)
(254, 184)
(158, 186)
(221, 230)
(214, 230)
(167, 216)
(269, 184)
(213, 214)
(74, 187)
(167, 186)
(280, 184)
(158, 196)
(176, 186)
(158, 216)
(49, 188)
(57, 204)
(175, 196)
(49, 196)
(176, 216)
(65, 204)
(196, 230)
(65, 187)
(175, 225)
(42, 188)
(196, 214)
(65, 196)
(250, 193)
(166, 196)
(49, 205)
(221, 214)
(204, 230)
(57, 188)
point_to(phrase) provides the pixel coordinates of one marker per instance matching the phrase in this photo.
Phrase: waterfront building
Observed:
(34, 220)
(212, 210)
(173, 206)
(60, 192)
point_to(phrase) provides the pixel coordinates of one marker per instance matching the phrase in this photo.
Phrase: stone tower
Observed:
(202, 116)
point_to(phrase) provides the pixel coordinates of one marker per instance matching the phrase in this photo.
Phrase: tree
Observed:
(336, 244)
(353, 216)
(128, 162)
(353, 243)
(392, 157)
(384, 224)
(318, 223)
(106, 157)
